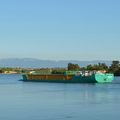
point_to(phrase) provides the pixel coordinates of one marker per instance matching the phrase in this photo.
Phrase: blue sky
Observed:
(60, 29)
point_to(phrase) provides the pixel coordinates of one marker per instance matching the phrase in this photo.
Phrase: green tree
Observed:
(99, 66)
(73, 66)
(1, 71)
(102, 66)
(89, 67)
(115, 68)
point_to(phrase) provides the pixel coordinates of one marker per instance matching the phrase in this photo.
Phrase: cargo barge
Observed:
(70, 77)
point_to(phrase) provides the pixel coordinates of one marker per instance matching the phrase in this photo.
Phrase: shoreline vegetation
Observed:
(113, 68)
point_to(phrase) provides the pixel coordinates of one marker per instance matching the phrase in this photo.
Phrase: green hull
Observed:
(95, 78)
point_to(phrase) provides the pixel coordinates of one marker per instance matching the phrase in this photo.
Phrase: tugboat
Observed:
(70, 77)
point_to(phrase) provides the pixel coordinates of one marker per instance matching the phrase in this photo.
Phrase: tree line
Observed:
(113, 68)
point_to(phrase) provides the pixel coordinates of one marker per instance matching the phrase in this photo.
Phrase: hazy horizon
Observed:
(60, 59)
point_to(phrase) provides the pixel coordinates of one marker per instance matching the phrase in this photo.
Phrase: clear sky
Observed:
(60, 29)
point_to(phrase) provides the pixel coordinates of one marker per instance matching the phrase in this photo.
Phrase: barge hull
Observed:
(95, 78)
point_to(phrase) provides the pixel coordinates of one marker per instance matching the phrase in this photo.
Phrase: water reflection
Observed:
(91, 94)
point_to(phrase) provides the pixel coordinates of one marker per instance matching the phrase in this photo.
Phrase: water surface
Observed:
(58, 101)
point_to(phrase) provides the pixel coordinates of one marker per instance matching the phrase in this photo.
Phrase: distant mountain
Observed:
(37, 63)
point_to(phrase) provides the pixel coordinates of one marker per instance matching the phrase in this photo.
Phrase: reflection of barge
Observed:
(70, 77)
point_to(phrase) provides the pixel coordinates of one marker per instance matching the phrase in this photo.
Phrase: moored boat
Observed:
(70, 77)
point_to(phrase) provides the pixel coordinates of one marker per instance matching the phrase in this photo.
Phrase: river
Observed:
(58, 101)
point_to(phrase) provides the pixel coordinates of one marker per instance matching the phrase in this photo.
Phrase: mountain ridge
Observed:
(39, 63)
